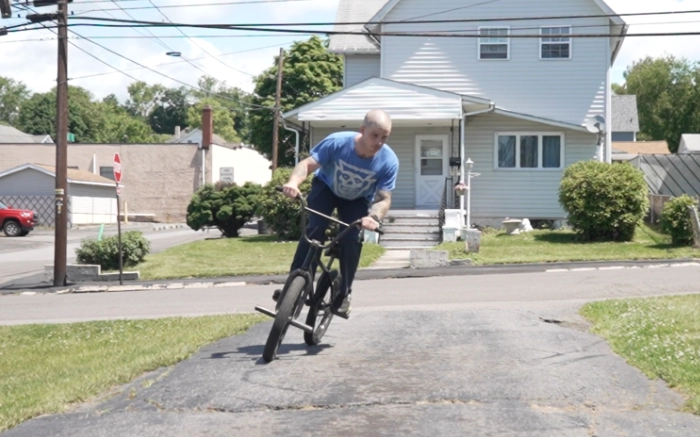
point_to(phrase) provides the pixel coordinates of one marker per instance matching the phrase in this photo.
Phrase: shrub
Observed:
(105, 252)
(226, 206)
(280, 213)
(604, 201)
(675, 219)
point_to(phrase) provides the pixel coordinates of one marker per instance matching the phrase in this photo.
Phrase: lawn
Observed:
(256, 255)
(553, 246)
(45, 368)
(660, 336)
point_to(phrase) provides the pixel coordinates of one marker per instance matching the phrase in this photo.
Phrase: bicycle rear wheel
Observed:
(320, 307)
(293, 298)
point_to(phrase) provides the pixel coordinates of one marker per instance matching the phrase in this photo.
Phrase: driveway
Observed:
(502, 355)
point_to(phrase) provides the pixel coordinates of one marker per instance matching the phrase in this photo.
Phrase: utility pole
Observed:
(276, 123)
(61, 223)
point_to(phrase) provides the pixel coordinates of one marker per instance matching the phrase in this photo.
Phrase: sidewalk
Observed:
(38, 284)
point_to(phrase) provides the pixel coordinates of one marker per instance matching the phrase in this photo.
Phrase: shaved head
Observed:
(378, 119)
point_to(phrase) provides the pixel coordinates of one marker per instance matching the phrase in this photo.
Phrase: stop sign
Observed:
(117, 168)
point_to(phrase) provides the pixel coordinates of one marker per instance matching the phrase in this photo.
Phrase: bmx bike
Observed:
(299, 290)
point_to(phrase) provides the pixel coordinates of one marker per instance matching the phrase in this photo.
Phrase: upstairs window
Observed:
(555, 43)
(494, 43)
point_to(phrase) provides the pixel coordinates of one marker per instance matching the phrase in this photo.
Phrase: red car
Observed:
(16, 222)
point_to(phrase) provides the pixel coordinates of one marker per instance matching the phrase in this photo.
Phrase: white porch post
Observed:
(462, 152)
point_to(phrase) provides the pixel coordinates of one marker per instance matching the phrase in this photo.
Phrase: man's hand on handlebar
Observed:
(369, 223)
(291, 191)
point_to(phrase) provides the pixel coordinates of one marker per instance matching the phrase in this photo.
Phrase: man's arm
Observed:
(381, 205)
(299, 174)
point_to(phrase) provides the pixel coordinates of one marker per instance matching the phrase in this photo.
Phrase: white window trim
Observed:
(539, 167)
(571, 44)
(479, 43)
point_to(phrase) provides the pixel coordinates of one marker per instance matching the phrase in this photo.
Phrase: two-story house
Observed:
(506, 83)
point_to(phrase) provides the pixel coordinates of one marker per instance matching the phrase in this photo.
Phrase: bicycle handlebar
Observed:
(304, 208)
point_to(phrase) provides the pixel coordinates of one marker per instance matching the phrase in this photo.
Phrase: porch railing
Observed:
(447, 202)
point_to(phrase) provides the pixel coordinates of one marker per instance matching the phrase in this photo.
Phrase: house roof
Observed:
(402, 101)
(73, 175)
(625, 117)
(188, 138)
(10, 135)
(352, 11)
(641, 147)
(691, 142)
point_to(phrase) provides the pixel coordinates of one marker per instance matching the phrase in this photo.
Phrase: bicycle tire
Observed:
(319, 305)
(293, 297)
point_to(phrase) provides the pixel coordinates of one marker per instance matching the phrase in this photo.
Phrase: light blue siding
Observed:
(359, 68)
(568, 90)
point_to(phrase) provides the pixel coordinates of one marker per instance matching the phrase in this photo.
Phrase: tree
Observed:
(310, 72)
(170, 111)
(668, 97)
(222, 120)
(229, 106)
(143, 98)
(116, 125)
(12, 95)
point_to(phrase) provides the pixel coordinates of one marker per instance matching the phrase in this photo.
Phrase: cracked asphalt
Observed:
(512, 359)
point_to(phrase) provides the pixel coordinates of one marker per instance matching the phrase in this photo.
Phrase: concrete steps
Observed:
(411, 230)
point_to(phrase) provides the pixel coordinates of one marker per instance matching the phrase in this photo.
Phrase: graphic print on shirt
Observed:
(352, 182)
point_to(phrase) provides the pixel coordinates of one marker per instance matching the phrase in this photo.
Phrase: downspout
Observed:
(463, 122)
(296, 146)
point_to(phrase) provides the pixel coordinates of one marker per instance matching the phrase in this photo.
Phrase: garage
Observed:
(91, 197)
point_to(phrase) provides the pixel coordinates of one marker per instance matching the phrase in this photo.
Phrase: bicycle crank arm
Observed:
(302, 326)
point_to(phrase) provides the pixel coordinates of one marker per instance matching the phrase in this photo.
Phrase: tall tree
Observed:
(310, 72)
(12, 95)
(222, 120)
(115, 125)
(668, 97)
(223, 98)
(170, 111)
(143, 98)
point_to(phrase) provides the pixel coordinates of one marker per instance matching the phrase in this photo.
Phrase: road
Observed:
(27, 256)
(448, 356)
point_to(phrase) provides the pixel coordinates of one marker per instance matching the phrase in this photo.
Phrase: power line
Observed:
(465, 20)
(197, 45)
(234, 3)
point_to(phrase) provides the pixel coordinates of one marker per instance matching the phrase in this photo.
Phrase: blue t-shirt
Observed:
(347, 174)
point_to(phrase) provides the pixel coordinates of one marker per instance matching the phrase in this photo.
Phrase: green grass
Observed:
(257, 255)
(553, 246)
(44, 368)
(660, 336)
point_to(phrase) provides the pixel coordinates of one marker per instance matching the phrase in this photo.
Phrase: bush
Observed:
(282, 214)
(105, 252)
(228, 207)
(604, 201)
(675, 219)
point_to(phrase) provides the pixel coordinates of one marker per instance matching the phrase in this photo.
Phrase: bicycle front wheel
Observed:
(320, 308)
(293, 297)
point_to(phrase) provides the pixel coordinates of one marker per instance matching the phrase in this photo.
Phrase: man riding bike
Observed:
(354, 173)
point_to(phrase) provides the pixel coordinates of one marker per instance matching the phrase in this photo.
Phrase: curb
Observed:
(166, 226)
(376, 274)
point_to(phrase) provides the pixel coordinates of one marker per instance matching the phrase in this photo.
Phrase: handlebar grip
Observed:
(279, 188)
(379, 231)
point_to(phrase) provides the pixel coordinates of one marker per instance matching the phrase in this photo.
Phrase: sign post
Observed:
(117, 178)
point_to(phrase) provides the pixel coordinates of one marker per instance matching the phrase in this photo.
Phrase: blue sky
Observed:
(34, 62)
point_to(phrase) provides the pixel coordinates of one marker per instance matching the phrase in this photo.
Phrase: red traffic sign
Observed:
(117, 168)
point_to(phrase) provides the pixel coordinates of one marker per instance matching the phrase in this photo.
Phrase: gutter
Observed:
(296, 146)
(463, 122)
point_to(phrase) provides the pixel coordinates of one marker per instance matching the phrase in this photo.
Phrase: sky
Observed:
(31, 56)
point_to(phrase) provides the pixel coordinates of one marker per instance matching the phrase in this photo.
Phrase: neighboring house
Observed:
(91, 198)
(627, 150)
(625, 118)
(232, 162)
(158, 179)
(9, 134)
(690, 144)
(516, 106)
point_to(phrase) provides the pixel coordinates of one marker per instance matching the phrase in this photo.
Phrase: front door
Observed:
(431, 170)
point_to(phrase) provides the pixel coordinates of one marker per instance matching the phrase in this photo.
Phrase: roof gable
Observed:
(74, 176)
